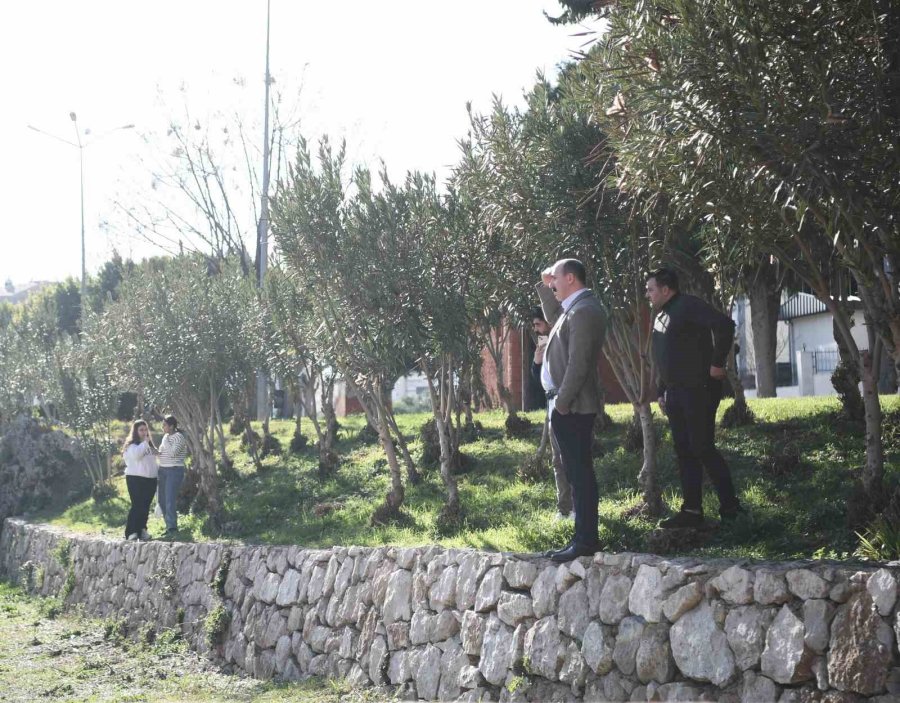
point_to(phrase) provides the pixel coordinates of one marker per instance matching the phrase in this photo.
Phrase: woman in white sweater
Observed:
(140, 477)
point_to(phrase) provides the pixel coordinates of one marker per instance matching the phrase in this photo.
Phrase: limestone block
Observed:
(489, 590)
(817, 615)
(683, 600)
(496, 651)
(882, 586)
(574, 670)
(544, 595)
(806, 584)
(653, 661)
(473, 626)
(614, 599)
(758, 689)
(734, 585)
(574, 611)
(443, 592)
(745, 628)
(397, 597)
(645, 598)
(787, 659)
(628, 640)
(700, 647)
(513, 608)
(770, 588)
(544, 649)
(597, 647)
(861, 646)
(519, 574)
(471, 568)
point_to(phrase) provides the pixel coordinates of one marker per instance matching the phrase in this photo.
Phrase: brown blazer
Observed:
(574, 349)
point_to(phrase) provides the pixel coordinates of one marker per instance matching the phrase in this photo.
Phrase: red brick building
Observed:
(527, 393)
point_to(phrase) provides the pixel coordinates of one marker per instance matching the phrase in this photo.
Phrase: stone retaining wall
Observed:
(453, 624)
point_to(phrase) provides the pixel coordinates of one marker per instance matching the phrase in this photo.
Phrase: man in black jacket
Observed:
(691, 340)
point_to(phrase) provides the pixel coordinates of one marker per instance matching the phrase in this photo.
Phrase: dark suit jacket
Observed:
(573, 351)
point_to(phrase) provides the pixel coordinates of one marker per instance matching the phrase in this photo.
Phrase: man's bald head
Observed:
(567, 276)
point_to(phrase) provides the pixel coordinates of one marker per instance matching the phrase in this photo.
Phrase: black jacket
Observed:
(689, 336)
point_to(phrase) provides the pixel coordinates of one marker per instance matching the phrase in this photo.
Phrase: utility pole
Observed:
(262, 234)
(81, 146)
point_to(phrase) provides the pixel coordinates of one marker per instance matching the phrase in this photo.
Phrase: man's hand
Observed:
(547, 276)
(560, 411)
(717, 372)
(662, 403)
(540, 349)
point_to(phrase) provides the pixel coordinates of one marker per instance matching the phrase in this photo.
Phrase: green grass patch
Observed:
(794, 470)
(49, 654)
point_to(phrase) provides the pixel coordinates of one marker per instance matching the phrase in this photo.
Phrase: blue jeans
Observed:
(170, 478)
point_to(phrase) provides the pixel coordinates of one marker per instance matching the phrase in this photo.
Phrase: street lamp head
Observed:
(72, 116)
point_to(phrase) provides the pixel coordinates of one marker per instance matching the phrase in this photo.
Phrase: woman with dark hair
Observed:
(140, 477)
(172, 453)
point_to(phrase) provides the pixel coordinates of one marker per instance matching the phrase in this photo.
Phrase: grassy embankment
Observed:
(797, 508)
(63, 656)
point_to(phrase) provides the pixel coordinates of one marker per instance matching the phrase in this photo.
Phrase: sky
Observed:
(392, 78)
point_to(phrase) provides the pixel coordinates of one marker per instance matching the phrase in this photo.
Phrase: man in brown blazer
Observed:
(569, 377)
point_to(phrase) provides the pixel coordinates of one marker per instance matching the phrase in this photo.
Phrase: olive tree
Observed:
(802, 104)
(186, 332)
(341, 247)
(543, 178)
(294, 356)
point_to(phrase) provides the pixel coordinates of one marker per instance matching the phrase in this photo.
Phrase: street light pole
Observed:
(81, 146)
(81, 181)
(262, 234)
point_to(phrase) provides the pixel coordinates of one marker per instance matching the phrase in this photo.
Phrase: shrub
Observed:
(880, 541)
(216, 625)
(62, 552)
(738, 415)
(536, 469)
(115, 630)
(299, 442)
(431, 444)
(103, 492)
(517, 426)
(68, 584)
(845, 380)
(271, 446)
(218, 582)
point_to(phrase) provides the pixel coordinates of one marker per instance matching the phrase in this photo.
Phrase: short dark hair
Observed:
(171, 421)
(538, 314)
(576, 268)
(665, 277)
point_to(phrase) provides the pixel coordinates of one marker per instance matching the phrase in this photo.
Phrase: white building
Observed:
(806, 353)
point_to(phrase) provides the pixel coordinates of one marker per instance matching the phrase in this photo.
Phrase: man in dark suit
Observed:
(569, 377)
(691, 341)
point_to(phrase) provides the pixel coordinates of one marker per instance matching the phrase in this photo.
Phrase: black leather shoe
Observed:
(551, 552)
(574, 551)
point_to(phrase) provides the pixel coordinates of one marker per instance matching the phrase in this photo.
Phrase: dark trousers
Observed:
(141, 491)
(573, 434)
(692, 418)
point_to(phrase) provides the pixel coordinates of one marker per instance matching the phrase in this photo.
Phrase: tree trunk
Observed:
(846, 378)
(873, 473)
(203, 461)
(648, 478)
(394, 498)
(412, 473)
(765, 299)
(448, 462)
(220, 433)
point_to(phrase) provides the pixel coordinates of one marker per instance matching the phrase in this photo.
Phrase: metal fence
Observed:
(825, 361)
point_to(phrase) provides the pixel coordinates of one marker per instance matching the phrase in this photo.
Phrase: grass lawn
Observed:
(46, 653)
(796, 509)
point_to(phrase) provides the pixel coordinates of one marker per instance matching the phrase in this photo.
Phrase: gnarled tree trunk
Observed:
(764, 293)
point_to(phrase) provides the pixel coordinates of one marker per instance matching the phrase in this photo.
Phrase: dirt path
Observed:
(46, 654)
